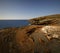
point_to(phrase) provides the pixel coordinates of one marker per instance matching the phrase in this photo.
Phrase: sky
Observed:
(27, 9)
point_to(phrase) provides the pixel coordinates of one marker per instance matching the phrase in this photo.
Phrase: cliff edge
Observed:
(41, 36)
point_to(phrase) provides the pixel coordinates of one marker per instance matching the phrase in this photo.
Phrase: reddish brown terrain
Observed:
(41, 36)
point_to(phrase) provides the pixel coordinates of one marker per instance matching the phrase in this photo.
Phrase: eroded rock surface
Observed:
(46, 20)
(42, 36)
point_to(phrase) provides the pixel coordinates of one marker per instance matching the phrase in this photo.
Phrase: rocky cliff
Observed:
(46, 20)
(41, 36)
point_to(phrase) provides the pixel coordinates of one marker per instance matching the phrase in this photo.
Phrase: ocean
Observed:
(13, 23)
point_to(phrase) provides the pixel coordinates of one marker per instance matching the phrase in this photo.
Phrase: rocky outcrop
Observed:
(46, 20)
(35, 38)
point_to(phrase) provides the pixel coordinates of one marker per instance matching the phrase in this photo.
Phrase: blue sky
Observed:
(27, 9)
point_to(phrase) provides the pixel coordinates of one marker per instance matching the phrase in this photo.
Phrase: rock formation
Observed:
(42, 36)
(46, 20)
